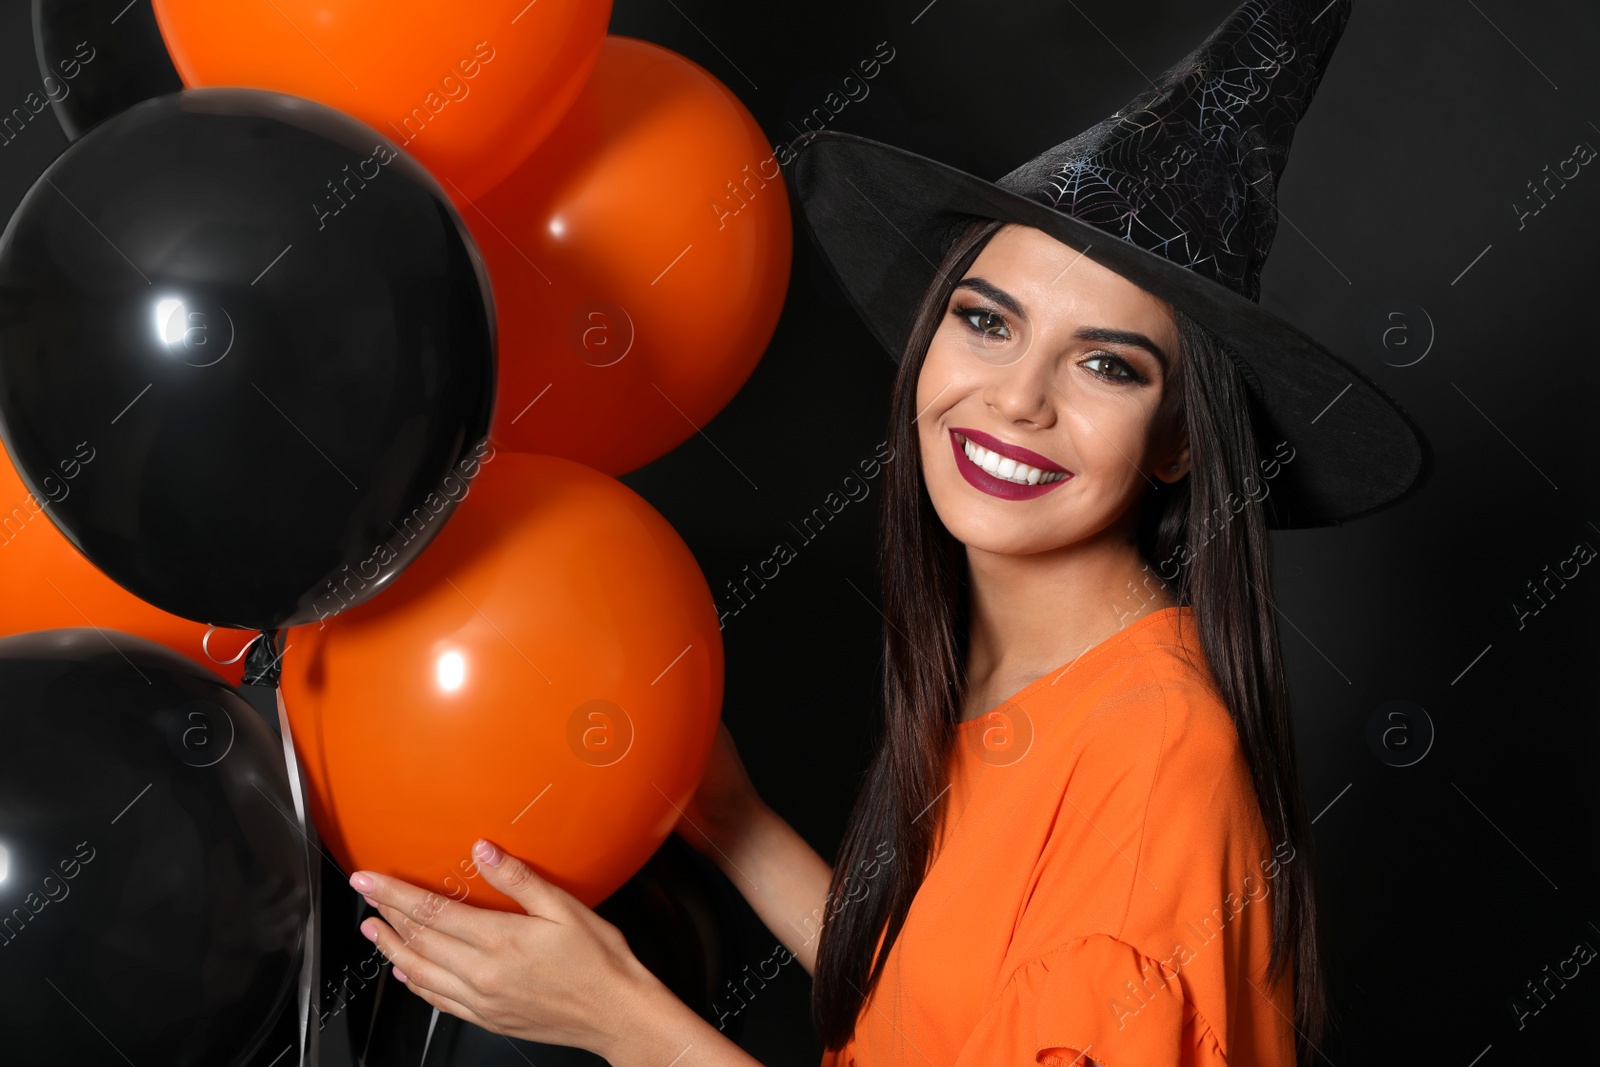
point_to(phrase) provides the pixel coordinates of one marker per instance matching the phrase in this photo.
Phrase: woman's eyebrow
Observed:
(993, 292)
(1124, 337)
(1104, 334)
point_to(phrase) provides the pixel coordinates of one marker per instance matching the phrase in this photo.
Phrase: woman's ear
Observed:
(1176, 465)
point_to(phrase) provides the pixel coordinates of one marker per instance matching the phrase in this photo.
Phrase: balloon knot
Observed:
(261, 664)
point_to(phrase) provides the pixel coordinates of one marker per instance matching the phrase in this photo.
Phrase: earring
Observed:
(1173, 467)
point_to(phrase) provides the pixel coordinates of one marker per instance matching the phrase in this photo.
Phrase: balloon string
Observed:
(372, 1023)
(205, 646)
(311, 962)
(433, 1020)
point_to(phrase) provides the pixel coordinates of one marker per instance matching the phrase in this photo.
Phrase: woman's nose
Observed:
(1022, 391)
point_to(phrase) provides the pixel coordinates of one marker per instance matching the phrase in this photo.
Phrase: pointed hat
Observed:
(1176, 192)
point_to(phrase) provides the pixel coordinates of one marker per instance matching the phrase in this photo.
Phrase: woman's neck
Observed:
(1031, 613)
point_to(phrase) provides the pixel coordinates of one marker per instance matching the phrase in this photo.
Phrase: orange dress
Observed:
(1101, 885)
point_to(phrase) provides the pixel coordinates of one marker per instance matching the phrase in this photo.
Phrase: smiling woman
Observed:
(1134, 799)
(1042, 382)
(1090, 382)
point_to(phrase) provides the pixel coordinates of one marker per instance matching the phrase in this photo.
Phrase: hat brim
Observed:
(882, 216)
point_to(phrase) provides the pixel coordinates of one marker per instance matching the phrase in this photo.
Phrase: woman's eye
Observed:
(984, 321)
(1114, 369)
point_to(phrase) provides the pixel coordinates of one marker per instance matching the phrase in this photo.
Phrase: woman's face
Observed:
(1042, 370)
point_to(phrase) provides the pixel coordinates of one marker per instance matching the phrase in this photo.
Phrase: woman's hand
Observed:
(560, 974)
(724, 804)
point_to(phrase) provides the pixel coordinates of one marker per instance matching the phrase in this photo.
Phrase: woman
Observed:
(1082, 839)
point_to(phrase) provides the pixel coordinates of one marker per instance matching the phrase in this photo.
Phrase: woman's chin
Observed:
(1003, 535)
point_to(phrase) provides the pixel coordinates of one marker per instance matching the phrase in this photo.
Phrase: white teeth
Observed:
(1008, 468)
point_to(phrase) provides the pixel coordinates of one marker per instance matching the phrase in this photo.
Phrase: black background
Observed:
(1447, 885)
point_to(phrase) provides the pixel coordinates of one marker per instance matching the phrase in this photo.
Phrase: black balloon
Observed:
(246, 355)
(153, 891)
(99, 57)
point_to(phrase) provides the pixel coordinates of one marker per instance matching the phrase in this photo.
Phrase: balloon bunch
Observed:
(343, 341)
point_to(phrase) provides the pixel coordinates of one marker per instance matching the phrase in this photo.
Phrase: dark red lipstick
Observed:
(993, 484)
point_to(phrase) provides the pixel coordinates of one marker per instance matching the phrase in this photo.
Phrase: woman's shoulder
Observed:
(1153, 804)
(1156, 701)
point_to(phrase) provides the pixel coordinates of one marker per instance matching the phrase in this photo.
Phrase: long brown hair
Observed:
(1225, 577)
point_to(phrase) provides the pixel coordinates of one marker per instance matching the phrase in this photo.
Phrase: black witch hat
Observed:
(1184, 177)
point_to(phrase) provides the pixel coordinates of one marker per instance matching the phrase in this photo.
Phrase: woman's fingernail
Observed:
(487, 854)
(369, 931)
(362, 883)
(401, 975)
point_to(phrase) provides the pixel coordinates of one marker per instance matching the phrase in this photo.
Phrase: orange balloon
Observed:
(639, 261)
(546, 674)
(46, 583)
(468, 88)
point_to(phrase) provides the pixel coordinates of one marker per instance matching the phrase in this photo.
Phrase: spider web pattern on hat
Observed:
(1188, 169)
